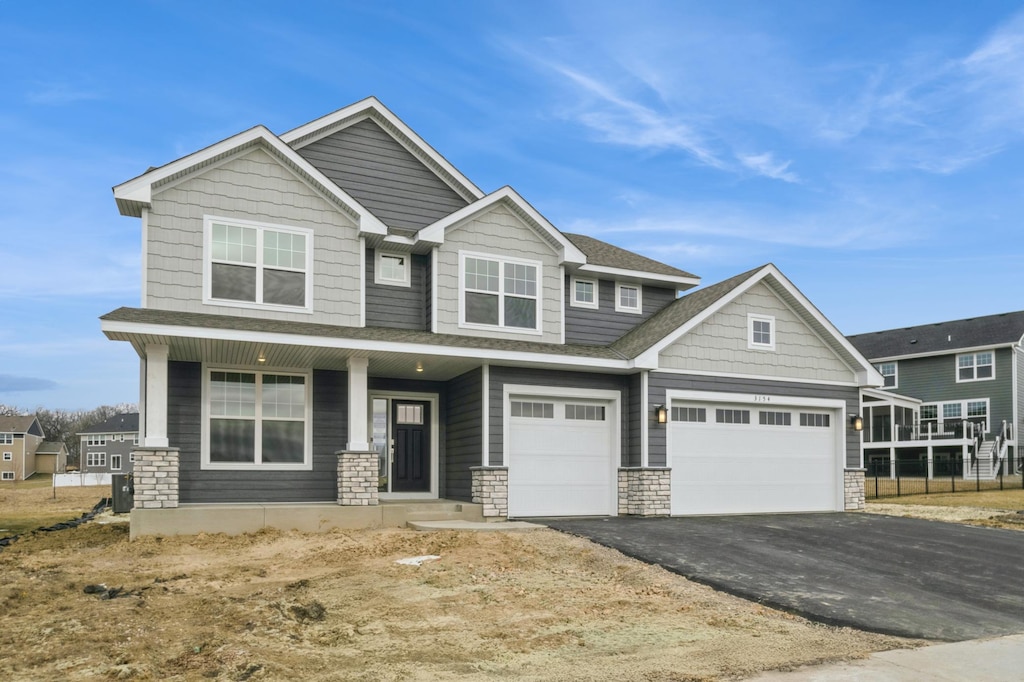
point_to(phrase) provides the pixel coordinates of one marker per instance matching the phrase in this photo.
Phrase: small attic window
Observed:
(392, 269)
(761, 332)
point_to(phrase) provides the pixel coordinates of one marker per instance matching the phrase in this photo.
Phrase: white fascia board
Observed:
(484, 354)
(640, 275)
(947, 351)
(757, 398)
(139, 190)
(435, 232)
(372, 107)
(761, 377)
(890, 397)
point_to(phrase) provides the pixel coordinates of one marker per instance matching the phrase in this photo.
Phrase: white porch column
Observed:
(156, 396)
(358, 396)
(892, 463)
(931, 463)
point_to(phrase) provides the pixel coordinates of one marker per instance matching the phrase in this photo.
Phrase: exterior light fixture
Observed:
(662, 413)
(261, 358)
(856, 422)
(419, 366)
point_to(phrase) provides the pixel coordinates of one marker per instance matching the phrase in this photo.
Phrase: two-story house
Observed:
(109, 447)
(20, 438)
(338, 316)
(951, 399)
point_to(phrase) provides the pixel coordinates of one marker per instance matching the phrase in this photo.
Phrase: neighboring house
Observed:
(952, 396)
(337, 314)
(20, 438)
(109, 447)
(52, 457)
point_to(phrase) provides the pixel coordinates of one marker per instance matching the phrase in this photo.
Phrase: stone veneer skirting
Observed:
(853, 489)
(156, 478)
(645, 491)
(490, 489)
(357, 479)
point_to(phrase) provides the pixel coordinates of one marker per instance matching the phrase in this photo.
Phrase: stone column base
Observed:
(490, 489)
(645, 491)
(853, 489)
(357, 479)
(155, 477)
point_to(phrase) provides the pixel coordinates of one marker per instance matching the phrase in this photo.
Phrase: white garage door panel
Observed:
(561, 467)
(749, 468)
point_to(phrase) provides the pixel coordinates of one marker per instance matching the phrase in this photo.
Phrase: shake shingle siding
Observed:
(660, 382)
(184, 420)
(397, 307)
(605, 325)
(464, 435)
(560, 379)
(383, 176)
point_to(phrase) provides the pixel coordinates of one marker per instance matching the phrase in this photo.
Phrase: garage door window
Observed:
(814, 419)
(732, 416)
(776, 418)
(591, 413)
(533, 410)
(689, 414)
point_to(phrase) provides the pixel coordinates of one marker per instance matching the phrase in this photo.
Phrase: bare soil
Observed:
(990, 508)
(526, 606)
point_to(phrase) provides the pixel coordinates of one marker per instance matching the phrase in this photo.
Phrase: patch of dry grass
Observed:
(27, 507)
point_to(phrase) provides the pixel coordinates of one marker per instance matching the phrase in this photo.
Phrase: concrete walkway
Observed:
(980, 660)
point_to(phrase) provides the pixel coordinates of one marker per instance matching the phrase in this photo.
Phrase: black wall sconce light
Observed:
(661, 412)
(856, 422)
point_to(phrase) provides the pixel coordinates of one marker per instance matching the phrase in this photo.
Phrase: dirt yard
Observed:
(526, 606)
(990, 508)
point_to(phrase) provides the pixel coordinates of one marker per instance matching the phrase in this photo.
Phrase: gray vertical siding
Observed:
(539, 377)
(660, 382)
(394, 306)
(383, 176)
(414, 386)
(604, 325)
(184, 419)
(934, 380)
(464, 438)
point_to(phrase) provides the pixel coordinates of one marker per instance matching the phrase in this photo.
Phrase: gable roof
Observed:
(21, 424)
(372, 108)
(51, 447)
(686, 313)
(1004, 329)
(126, 422)
(605, 258)
(136, 194)
(568, 252)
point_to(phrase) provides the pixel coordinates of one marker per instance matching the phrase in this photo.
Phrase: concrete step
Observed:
(476, 527)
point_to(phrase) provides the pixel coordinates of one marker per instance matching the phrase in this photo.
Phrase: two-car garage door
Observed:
(736, 458)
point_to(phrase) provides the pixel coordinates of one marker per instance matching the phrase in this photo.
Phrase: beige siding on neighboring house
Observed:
(500, 233)
(719, 344)
(252, 187)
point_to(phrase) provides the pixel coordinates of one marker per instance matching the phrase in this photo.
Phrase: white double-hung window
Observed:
(499, 292)
(252, 264)
(256, 420)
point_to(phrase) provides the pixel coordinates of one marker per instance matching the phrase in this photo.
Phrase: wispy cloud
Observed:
(766, 165)
(10, 383)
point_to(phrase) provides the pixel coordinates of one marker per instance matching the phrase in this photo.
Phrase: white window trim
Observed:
(751, 318)
(8, 475)
(940, 420)
(619, 308)
(463, 255)
(208, 299)
(8, 456)
(96, 459)
(6, 439)
(975, 354)
(307, 455)
(378, 278)
(96, 441)
(895, 373)
(119, 461)
(573, 302)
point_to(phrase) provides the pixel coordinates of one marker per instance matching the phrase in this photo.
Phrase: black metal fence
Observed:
(911, 476)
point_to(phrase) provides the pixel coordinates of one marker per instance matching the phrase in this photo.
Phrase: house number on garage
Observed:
(762, 398)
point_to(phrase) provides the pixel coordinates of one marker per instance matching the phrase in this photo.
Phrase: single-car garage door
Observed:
(561, 456)
(741, 458)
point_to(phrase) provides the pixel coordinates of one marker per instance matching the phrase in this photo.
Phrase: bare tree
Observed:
(64, 425)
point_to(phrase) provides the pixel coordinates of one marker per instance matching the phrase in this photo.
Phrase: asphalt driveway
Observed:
(900, 576)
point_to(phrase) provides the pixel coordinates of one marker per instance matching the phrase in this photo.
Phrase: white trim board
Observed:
(435, 448)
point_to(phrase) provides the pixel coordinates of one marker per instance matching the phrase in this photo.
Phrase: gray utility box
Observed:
(122, 493)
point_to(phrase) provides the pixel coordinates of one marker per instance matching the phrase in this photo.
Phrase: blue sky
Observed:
(871, 150)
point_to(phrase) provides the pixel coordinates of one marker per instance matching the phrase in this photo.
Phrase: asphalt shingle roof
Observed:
(127, 422)
(50, 447)
(611, 256)
(16, 424)
(972, 332)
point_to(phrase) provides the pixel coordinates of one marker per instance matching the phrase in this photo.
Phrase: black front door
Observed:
(411, 464)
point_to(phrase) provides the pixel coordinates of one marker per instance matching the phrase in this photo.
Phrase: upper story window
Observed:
(888, 372)
(584, 293)
(96, 439)
(251, 264)
(499, 292)
(392, 268)
(761, 332)
(975, 366)
(6, 438)
(628, 298)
